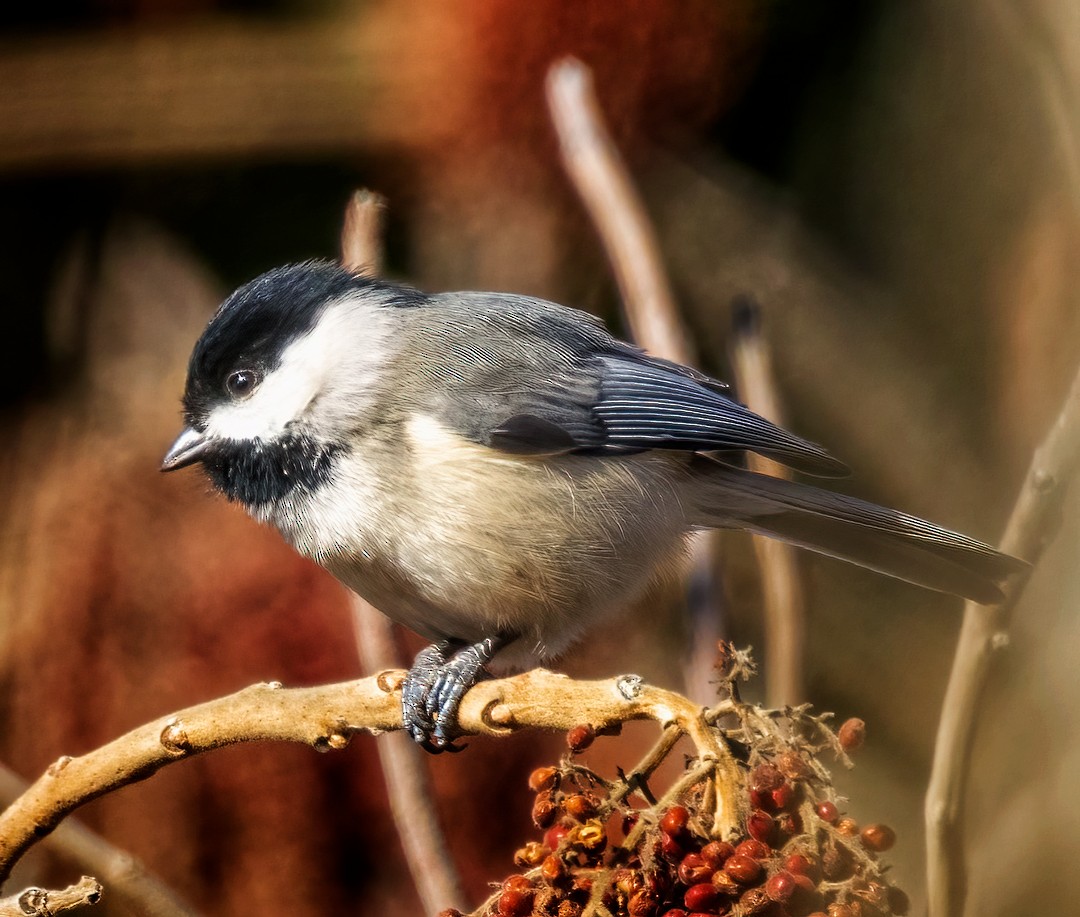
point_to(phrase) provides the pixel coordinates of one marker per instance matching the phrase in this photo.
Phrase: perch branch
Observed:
(39, 902)
(407, 782)
(983, 633)
(127, 879)
(785, 624)
(327, 717)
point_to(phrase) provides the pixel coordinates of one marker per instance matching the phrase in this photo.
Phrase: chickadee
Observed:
(497, 472)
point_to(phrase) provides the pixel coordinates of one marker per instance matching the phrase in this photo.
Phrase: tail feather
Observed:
(871, 536)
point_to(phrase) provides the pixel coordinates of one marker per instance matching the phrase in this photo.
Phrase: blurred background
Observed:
(896, 181)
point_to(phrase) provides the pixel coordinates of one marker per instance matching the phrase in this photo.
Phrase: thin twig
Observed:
(39, 902)
(327, 717)
(408, 784)
(127, 879)
(983, 633)
(362, 235)
(784, 606)
(604, 184)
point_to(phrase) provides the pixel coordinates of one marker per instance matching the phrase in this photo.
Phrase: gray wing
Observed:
(548, 380)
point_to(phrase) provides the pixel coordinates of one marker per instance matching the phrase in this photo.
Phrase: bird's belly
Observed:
(474, 542)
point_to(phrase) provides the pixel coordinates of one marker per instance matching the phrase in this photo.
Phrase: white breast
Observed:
(465, 541)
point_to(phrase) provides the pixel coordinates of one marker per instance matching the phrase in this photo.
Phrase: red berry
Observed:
(675, 912)
(671, 848)
(693, 869)
(554, 836)
(877, 837)
(553, 868)
(674, 821)
(780, 887)
(827, 811)
(515, 902)
(852, 734)
(701, 897)
(783, 796)
(754, 849)
(762, 799)
(580, 737)
(715, 852)
(742, 868)
(798, 864)
(544, 810)
(579, 807)
(759, 825)
(543, 778)
(765, 778)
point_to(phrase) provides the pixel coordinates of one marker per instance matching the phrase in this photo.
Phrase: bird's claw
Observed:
(433, 690)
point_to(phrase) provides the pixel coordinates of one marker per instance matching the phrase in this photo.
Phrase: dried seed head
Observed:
(765, 778)
(531, 854)
(847, 826)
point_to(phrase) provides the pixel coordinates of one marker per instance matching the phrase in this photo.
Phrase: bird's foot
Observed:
(431, 694)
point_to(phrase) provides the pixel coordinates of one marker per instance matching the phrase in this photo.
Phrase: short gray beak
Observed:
(190, 447)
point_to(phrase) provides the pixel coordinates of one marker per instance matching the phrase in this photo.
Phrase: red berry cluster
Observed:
(794, 854)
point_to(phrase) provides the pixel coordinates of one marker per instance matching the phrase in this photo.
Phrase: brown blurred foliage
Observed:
(891, 180)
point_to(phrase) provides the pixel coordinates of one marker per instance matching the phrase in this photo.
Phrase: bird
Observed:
(499, 473)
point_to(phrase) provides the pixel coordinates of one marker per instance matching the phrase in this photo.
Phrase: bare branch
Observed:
(600, 177)
(407, 782)
(38, 902)
(127, 878)
(784, 605)
(327, 717)
(361, 237)
(983, 633)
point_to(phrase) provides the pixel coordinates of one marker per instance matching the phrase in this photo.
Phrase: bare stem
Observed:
(984, 632)
(784, 605)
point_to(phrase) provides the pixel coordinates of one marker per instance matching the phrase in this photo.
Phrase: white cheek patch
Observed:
(342, 355)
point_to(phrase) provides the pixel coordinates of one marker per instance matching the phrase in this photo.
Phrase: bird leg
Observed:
(436, 683)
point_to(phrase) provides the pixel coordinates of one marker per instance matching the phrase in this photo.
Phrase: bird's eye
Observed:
(242, 383)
